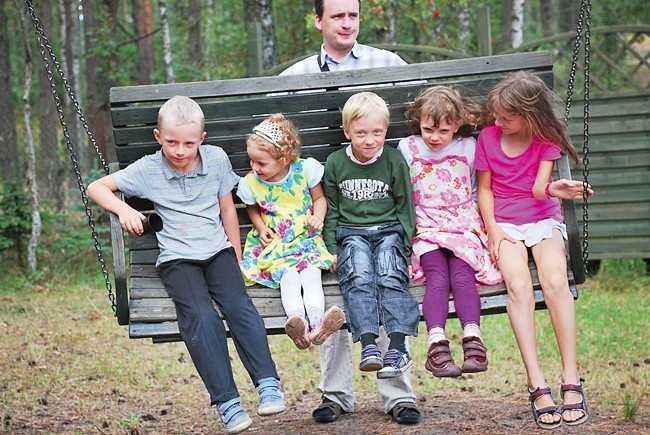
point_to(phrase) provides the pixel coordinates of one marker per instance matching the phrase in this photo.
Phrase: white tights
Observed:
(311, 301)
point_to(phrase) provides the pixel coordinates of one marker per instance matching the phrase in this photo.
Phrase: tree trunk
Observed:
(51, 167)
(505, 25)
(268, 34)
(9, 164)
(517, 22)
(389, 36)
(144, 29)
(194, 21)
(546, 11)
(207, 36)
(100, 19)
(167, 42)
(569, 10)
(464, 28)
(29, 152)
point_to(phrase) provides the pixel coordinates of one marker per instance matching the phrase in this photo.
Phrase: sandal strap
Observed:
(539, 392)
(572, 387)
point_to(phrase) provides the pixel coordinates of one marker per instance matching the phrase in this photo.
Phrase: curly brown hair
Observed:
(444, 103)
(287, 150)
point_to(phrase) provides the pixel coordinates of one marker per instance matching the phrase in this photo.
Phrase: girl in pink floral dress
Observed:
(449, 248)
(285, 202)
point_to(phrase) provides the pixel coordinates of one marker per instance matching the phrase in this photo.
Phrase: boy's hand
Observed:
(131, 221)
(315, 223)
(266, 236)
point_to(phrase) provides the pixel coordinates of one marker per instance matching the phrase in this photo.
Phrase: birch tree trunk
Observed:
(29, 153)
(74, 78)
(517, 22)
(167, 43)
(464, 28)
(50, 176)
(9, 164)
(269, 56)
(207, 37)
(389, 36)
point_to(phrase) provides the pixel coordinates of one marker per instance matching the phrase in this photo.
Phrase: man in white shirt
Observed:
(338, 22)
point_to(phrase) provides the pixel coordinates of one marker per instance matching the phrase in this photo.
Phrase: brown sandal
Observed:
(475, 354)
(439, 361)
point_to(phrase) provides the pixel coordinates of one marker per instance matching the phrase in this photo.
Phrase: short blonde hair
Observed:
(361, 105)
(180, 110)
(287, 150)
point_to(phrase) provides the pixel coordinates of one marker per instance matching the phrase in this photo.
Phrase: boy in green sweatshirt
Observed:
(369, 224)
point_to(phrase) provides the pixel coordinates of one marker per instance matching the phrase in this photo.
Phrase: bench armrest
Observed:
(571, 222)
(119, 264)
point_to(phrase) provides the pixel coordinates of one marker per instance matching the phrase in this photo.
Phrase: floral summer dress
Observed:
(285, 206)
(445, 214)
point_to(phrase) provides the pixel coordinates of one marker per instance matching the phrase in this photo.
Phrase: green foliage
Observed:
(15, 218)
(630, 407)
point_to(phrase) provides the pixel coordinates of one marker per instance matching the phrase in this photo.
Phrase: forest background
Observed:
(100, 44)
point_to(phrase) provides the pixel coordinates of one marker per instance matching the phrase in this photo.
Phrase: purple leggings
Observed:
(443, 270)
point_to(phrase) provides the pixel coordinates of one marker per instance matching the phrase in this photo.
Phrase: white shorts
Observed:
(533, 233)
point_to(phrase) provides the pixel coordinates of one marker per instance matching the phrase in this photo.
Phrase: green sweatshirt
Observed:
(361, 196)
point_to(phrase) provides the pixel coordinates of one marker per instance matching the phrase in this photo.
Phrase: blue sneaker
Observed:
(271, 397)
(234, 418)
(371, 359)
(395, 364)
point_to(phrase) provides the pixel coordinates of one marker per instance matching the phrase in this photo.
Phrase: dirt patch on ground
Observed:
(440, 415)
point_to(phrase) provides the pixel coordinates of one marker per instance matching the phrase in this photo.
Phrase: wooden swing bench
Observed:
(313, 102)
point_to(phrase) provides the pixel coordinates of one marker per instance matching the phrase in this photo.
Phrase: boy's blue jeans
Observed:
(193, 285)
(373, 276)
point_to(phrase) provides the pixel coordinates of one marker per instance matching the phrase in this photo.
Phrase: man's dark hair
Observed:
(319, 7)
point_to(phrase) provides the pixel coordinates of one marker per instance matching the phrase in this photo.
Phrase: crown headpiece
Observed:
(269, 131)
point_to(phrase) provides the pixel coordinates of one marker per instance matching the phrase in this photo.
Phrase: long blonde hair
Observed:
(527, 95)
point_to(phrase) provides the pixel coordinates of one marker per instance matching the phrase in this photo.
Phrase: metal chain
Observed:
(585, 137)
(45, 49)
(584, 19)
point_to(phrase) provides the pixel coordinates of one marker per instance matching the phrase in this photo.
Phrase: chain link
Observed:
(46, 49)
(586, 5)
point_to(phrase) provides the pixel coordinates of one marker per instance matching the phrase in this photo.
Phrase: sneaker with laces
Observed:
(297, 330)
(271, 397)
(395, 364)
(233, 416)
(332, 321)
(371, 359)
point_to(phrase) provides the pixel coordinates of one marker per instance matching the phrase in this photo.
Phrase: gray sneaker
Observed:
(395, 364)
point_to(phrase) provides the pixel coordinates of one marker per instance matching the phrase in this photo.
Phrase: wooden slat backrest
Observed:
(313, 102)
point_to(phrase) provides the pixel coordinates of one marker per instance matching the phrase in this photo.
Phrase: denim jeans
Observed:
(373, 276)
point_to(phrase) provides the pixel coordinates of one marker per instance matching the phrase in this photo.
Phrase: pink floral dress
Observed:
(446, 216)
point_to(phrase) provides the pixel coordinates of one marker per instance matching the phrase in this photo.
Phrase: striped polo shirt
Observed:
(188, 204)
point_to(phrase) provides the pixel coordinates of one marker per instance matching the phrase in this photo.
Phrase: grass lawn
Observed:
(67, 365)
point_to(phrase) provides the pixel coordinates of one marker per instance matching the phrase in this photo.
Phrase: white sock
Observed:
(291, 295)
(472, 330)
(436, 334)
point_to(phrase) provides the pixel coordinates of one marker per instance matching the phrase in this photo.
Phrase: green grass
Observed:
(64, 358)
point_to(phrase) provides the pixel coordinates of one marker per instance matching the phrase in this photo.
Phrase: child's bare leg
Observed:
(550, 258)
(513, 263)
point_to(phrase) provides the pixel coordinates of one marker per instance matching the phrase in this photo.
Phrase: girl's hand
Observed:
(333, 267)
(131, 221)
(266, 236)
(315, 223)
(568, 189)
(495, 237)
(410, 271)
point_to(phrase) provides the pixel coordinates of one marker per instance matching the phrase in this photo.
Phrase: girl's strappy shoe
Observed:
(549, 410)
(580, 406)
(439, 361)
(475, 355)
